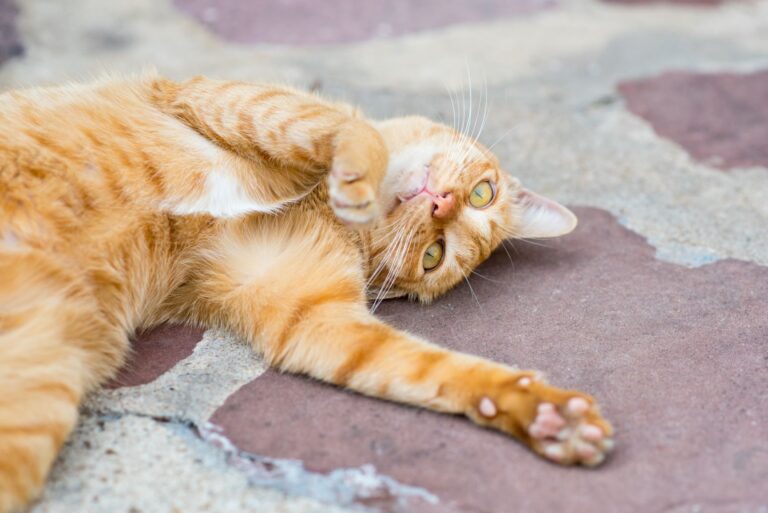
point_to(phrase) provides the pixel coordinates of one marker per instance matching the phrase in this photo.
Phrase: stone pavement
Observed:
(650, 118)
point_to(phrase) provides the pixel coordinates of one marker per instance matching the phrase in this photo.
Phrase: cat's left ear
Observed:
(541, 217)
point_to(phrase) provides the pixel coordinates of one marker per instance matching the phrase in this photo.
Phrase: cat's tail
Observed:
(50, 336)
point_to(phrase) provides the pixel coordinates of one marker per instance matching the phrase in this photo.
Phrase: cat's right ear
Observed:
(539, 217)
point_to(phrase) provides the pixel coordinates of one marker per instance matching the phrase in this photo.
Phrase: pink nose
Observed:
(443, 205)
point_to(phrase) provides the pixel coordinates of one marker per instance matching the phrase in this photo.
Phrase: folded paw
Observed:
(359, 163)
(352, 196)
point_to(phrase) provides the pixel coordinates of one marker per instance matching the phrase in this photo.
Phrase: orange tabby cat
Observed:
(259, 209)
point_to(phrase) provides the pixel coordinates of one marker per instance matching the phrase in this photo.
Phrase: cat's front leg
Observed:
(361, 353)
(289, 131)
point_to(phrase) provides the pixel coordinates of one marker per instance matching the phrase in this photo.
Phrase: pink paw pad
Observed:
(487, 407)
(578, 405)
(591, 433)
(548, 422)
(566, 437)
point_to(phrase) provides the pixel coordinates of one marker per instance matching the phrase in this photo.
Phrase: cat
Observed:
(263, 210)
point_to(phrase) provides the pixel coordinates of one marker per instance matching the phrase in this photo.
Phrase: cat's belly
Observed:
(132, 265)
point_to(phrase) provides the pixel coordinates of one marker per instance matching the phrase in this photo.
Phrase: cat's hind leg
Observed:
(54, 346)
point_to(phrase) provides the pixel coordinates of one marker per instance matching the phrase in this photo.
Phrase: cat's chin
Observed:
(390, 202)
(394, 205)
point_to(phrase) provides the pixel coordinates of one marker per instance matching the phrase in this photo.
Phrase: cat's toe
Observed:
(573, 433)
(352, 198)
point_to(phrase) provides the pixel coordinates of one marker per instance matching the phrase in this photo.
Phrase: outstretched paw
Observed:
(563, 426)
(352, 196)
(573, 433)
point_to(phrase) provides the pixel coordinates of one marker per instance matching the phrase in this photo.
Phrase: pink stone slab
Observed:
(678, 358)
(10, 43)
(306, 22)
(719, 118)
(154, 352)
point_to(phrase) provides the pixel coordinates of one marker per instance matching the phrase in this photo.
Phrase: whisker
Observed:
(385, 257)
(453, 107)
(386, 231)
(504, 247)
(468, 109)
(467, 126)
(454, 125)
(472, 291)
(398, 246)
(485, 108)
(536, 243)
(485, 277)
(505, 134)
(388, 252)
(393, 271)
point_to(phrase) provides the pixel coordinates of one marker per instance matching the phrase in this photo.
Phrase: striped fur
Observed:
(260, 209)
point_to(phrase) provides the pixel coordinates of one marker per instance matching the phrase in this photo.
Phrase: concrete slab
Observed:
(134, 464)
(192, 389)
(676, 358)
(720, 118)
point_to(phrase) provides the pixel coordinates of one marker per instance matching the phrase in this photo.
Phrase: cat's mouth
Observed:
(402, 201)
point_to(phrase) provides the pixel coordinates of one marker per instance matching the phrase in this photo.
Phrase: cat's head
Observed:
(448, 206)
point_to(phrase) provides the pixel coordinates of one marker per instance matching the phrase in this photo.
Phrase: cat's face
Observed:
(448, 206)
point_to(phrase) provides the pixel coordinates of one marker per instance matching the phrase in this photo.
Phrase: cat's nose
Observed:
(443, 205)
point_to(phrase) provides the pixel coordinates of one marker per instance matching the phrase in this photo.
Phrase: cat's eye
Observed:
(433, 256)
(482, 195)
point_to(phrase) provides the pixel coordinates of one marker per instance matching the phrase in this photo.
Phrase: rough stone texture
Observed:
(155, 352)
(720, 118)
(134, 464)
(193, 388)
(10, 45)
(336, 21)
(556, 121)
(677, 359)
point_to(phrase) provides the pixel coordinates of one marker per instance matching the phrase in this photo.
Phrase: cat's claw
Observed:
(352, 197)
(571, 434)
